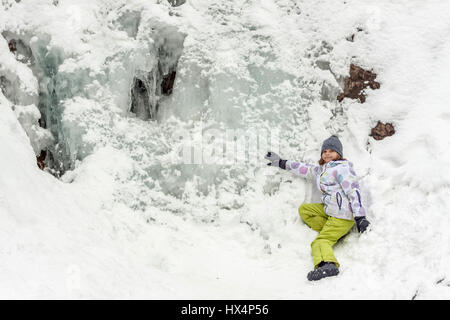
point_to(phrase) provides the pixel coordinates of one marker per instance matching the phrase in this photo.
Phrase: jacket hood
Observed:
(335, 163)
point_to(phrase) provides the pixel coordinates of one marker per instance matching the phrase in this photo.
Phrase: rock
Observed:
(143, 102)
(167, 83)
(382, 131)
(12, 45)
(355, 84)
(40, 159)
(19, 48)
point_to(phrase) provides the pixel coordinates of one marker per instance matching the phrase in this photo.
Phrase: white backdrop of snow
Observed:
(128, 222)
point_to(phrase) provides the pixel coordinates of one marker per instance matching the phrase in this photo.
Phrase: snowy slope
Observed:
(130, 218)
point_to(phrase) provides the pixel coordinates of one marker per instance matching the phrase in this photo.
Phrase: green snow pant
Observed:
(330, 230)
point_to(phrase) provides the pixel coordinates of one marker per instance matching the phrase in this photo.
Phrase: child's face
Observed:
(329, 155)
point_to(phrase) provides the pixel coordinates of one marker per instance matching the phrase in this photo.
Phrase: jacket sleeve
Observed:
(302, 169)
(347, 179)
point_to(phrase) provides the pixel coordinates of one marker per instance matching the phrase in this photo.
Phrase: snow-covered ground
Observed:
(133, 216)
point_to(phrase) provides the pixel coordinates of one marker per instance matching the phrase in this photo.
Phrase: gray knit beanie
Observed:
(332, 143)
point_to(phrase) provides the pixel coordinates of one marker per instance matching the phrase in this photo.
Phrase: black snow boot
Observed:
(325, 269)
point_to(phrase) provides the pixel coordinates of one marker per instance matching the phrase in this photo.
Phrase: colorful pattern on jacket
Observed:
(338, 183)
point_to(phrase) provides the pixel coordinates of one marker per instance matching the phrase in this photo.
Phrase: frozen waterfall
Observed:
(150, 120)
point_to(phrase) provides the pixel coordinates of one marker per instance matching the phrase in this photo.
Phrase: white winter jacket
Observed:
(338, 183)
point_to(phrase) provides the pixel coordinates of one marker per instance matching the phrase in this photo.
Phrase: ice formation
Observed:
(155, 117)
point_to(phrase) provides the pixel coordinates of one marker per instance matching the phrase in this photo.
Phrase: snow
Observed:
(131, 218)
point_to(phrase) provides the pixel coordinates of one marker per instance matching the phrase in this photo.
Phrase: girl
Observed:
(341, 203)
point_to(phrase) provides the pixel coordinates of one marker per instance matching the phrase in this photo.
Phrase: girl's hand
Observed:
(273, 158)
(362, 223)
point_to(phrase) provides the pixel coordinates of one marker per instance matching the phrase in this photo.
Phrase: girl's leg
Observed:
(313, 215)
(331, 232)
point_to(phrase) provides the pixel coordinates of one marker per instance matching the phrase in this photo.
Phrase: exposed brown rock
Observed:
(12, 45)
(382, 131)
(355, 84)
(40, 159)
